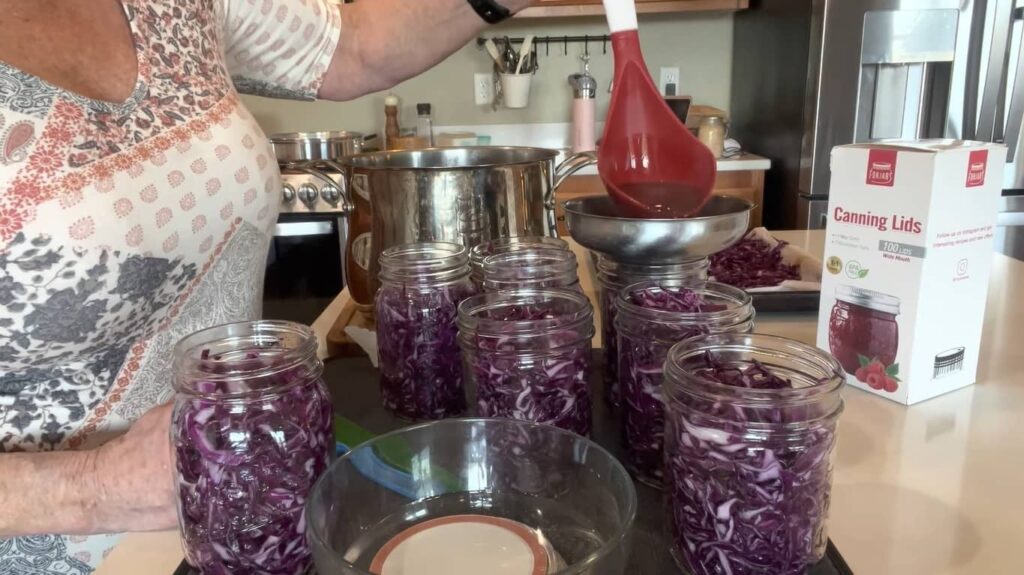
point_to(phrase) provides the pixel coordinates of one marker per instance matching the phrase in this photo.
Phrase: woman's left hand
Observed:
(134, 477)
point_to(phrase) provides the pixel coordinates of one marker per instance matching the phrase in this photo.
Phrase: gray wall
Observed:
(699, 45)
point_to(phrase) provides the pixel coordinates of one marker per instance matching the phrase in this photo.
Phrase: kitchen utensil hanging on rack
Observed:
(524, 55)
(492, 49)
(561, 47)
(650, 163)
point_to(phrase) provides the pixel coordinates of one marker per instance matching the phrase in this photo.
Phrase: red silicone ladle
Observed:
(649, 161)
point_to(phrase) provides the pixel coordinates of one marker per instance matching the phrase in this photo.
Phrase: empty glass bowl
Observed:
(571, 496)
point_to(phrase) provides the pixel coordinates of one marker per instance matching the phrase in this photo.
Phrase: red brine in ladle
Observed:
(651, 164)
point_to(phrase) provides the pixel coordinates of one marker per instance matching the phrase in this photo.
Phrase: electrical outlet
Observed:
(483, 89)
(669, 76)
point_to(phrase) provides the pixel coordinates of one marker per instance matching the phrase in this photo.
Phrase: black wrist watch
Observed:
(490, 11)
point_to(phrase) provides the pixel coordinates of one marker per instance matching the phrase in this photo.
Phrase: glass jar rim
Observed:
(739, 308)
(424, 262)
(870, 299)
(581, 312)
(530, 263)
(503, 245)
(680, 380)
(192, 363)
(616, 274)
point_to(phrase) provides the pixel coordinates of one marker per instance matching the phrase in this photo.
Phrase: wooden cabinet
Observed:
(746, 184)
(552, 8)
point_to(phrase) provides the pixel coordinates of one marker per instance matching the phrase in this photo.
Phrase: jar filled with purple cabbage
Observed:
(750, 430)
(421, 286)
(252, 432)
(527, 353)
(650, 318)
(613, 276)
(531, 268)
(504, 245)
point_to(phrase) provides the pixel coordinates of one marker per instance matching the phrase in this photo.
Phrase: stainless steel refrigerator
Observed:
(809, 75)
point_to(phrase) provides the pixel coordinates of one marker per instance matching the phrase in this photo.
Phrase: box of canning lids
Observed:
(908, 253)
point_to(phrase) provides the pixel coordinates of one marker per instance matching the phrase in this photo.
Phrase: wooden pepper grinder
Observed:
(391, 132)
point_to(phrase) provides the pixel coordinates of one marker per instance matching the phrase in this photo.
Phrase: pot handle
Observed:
(568, 167)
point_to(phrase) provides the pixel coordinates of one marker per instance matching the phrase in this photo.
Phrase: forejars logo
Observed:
(976, 167)
(881, 168)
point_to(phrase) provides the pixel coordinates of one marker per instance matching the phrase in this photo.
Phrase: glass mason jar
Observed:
(749, 435)
(649, 320)
(527, 354)
(613, 276)
(421, 287)
(252, 431)
(504, 245)
(712, 133)
(863, 326)
(530, 268)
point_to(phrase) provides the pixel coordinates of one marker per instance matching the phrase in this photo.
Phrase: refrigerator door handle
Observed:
(1015, 115)
(995, 74)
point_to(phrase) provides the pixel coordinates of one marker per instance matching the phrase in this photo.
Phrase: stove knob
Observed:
(331, 194)
(308, 195)
(288, 193)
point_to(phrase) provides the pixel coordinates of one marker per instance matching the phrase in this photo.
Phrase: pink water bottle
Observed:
(584, 109)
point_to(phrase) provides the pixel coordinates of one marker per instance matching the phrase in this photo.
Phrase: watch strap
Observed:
(489, 10)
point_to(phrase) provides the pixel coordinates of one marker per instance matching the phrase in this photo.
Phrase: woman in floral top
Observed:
(137, 196)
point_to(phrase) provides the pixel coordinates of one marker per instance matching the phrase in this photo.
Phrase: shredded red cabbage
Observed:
(244, 470)
(421, 376)
(677, 300)
(615, 276)
(752, 263)
(754, 375)
(644, 342)
(540, 377)
(746, 502)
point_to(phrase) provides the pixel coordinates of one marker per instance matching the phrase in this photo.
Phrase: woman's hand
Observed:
(133, 476)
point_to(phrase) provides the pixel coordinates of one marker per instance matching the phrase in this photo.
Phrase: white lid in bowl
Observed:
(463, 545)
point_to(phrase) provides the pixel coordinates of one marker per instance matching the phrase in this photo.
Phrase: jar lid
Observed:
(466, 544)
(870, 299)
(949, 357)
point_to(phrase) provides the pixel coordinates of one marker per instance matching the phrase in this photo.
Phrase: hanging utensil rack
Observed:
(586, 40)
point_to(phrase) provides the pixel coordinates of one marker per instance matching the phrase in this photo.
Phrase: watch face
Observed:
(489, 10)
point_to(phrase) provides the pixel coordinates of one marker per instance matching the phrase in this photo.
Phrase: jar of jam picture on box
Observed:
(864, 336)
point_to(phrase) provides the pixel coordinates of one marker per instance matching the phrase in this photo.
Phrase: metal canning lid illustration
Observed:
(949, 361)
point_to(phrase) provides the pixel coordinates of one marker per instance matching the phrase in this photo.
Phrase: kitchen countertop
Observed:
(932, 489)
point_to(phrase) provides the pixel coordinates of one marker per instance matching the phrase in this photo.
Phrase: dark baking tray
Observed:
(353, 383)
(831, 564)
(785, 301)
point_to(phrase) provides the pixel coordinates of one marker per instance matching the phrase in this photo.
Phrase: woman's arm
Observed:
(384, 42)
(125, 485)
